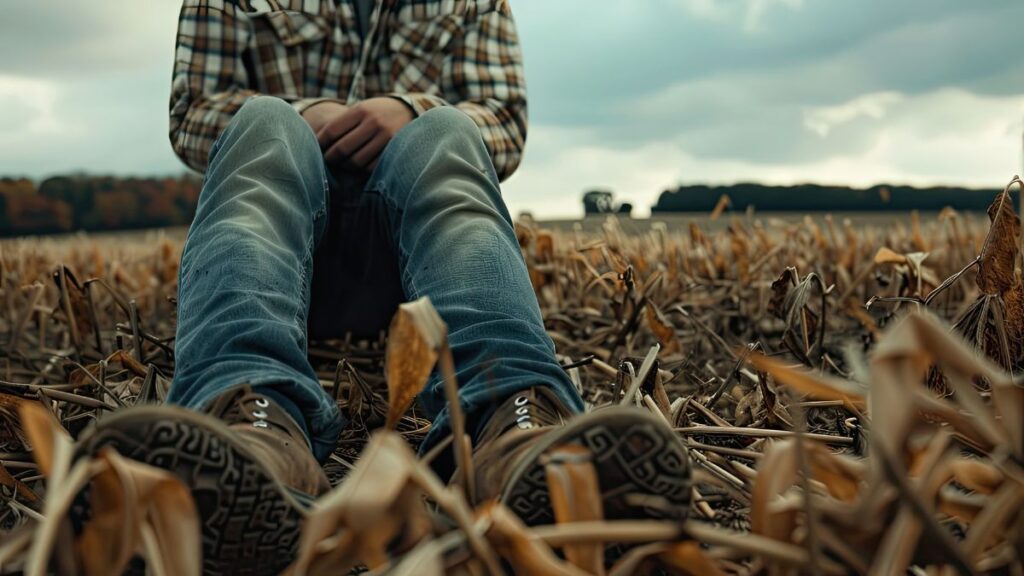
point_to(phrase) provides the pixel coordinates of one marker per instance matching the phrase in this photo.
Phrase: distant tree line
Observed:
(97, 203)
(72, 203)
(805, 198)
(818, 198)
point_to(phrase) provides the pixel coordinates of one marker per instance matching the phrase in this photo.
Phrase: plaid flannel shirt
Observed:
(427, 53)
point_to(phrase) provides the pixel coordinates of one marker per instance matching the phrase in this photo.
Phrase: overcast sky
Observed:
(631, 95)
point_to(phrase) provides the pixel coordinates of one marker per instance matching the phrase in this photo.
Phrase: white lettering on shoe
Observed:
(261, 414)
(524, 421)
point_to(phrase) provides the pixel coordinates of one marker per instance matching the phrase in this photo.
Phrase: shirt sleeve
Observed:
(483, 77)
(210, 80)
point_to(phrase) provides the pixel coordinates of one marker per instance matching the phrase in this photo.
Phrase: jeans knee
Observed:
(438, 133)
(267, 157)
(442, 144)
(267, 109)
(450, 121)
(264, 118)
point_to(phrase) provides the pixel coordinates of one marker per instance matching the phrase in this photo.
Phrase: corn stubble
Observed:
(847, 394)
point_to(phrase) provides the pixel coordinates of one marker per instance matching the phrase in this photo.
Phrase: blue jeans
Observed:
(262, 241)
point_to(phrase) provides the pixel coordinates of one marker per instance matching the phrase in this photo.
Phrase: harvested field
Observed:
(847, 393)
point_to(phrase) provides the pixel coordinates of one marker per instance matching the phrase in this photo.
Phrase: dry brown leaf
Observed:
(576, 497)
(140, 509)
(841, 475)
(991, 524)
(526, 553)
(900, 362)
(999, 254)
(355, 523)
(50, 442)
(901, 538)
(662, 327)
(820, 387)
(896, 551)
(128, 361)
(887, 256)
(963, 507)
(422, 315)
(11, 433)
(917, 238)
(922, 340)
(411, 356)
(780, 289)
(976, 475)
(999, 270)
(52, 449)
(776, 474)
(135, 508)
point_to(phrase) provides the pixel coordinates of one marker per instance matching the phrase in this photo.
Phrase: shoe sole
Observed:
(638, 460)
(251, 522)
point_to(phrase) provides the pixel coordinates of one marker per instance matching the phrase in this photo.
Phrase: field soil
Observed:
(846, 386)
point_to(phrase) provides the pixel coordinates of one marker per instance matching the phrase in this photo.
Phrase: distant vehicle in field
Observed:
(603, 202)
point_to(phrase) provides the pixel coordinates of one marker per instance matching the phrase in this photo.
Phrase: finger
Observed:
(369, 153)
(335, 156)
(339, 126)
(355, 139)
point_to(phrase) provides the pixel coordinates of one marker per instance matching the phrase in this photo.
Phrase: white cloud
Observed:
(750, 13)
(27, 107)
(561, 164)
(756, 10)
(821, 120)
(710, 9)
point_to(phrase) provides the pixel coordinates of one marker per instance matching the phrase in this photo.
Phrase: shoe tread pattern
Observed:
(249, 527)
(633, 456)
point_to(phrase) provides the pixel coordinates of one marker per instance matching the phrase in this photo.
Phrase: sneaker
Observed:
(249, 467)
(642, 467)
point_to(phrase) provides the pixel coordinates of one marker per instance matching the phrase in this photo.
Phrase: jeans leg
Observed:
(246, 269)
(456, 244)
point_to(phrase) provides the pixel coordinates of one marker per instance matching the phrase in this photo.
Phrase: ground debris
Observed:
(847, 395)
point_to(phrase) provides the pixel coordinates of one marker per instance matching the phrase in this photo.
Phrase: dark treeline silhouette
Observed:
(818, 198)
(95, 203)
(101, 203)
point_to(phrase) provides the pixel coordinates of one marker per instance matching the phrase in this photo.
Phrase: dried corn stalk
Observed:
(827, 437)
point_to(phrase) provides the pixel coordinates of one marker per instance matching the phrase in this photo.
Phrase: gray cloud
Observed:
(17, 114)
(725, 91)
(71, 39)
(671, 89)
(587, 74)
